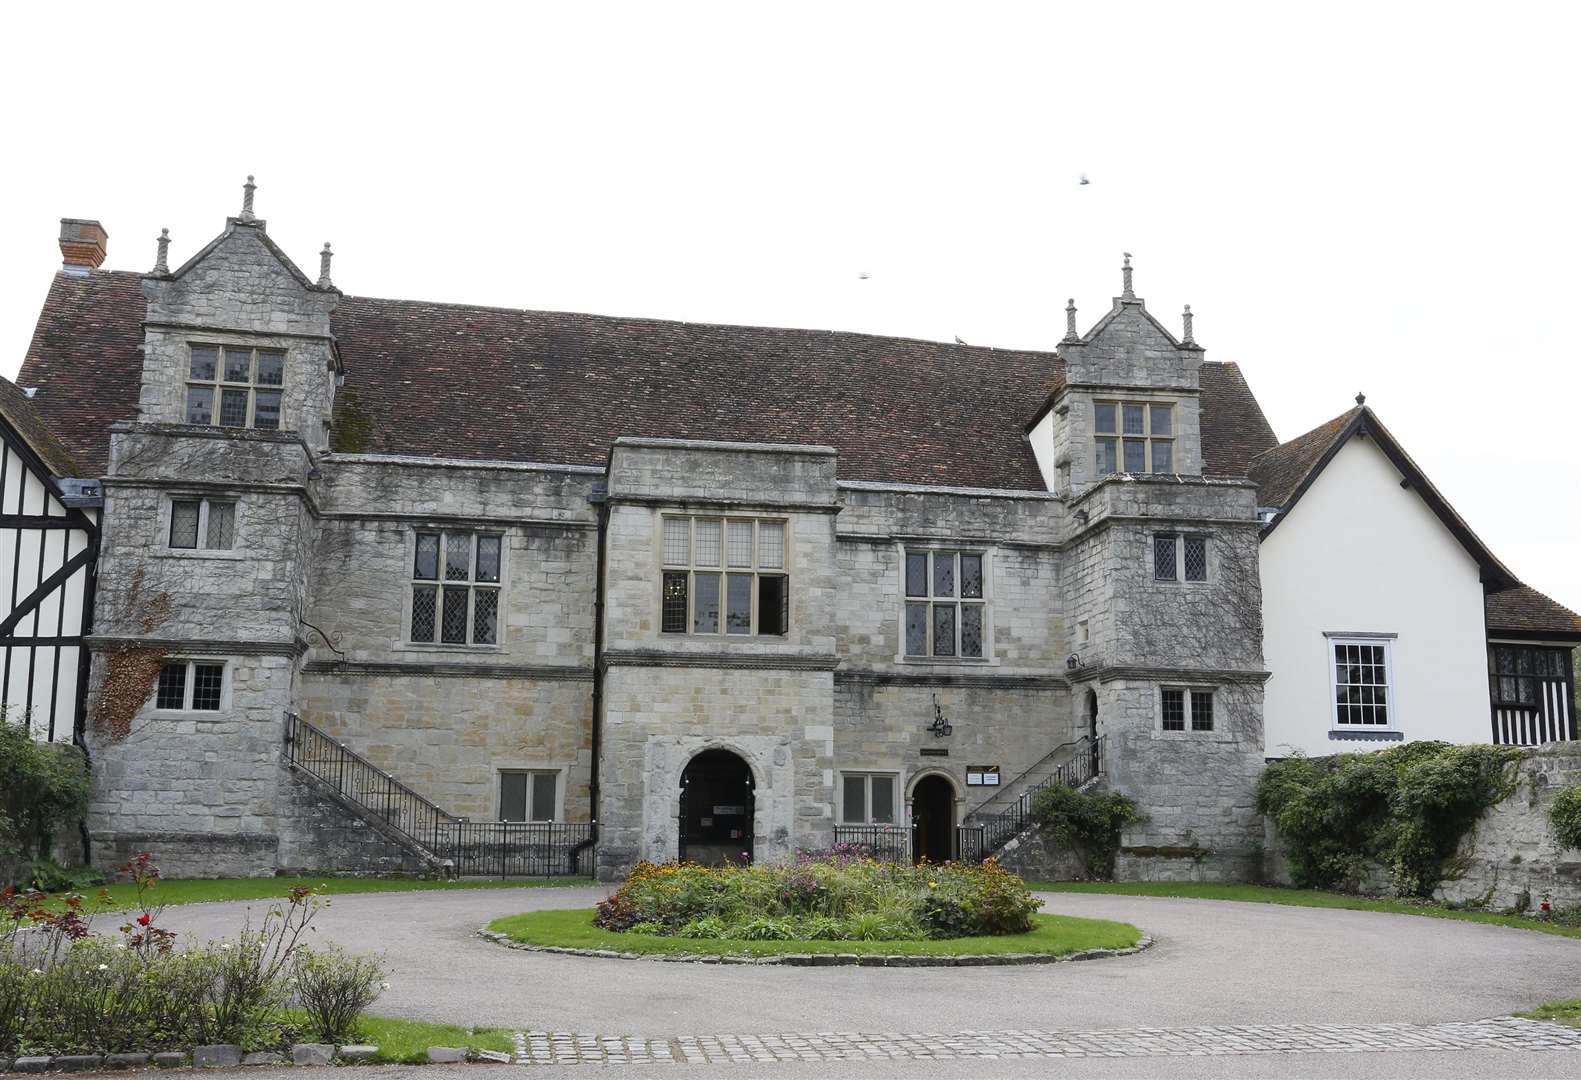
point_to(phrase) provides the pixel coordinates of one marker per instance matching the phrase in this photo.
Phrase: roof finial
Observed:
(162, 264)
(1125, 271)
(1361, 399)
(323, 267)
(247, 198)
(1185, 317)
(1070, 320)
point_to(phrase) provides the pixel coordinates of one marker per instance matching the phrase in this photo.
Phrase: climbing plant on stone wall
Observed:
(1565, 817)
(1405, 809)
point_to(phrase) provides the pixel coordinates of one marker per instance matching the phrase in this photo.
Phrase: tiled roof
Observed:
(1280, 472)
(462, 382)
(1234, 429)
(1524, 610)
(19, 413)
(86, 359)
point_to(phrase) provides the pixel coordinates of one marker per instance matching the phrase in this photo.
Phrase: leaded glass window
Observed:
(455, 598)
(1164, 558)
(235, 386)
(203, 524)
(944, 614)
(1180, 558)
(1185, 709)
(1361, 682)
(1135, 436)
(190, 686)
(752, 597)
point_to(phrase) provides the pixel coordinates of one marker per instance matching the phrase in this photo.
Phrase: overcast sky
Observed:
(1378, 198)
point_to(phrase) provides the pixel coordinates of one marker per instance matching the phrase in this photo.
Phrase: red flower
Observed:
(1547, 906)
(143, 919)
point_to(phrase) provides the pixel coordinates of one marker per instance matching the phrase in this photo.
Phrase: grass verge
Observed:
(1559, 1012)
(1273, 894)
(1054, 935)
(196, 891)
(406, 1042)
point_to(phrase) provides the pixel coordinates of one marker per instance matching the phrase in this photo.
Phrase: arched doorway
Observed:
(716, 809)
(933, 820)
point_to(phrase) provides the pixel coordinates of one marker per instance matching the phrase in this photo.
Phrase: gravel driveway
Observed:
(1215, 963)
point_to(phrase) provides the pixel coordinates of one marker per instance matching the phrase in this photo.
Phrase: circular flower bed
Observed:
(820, 897)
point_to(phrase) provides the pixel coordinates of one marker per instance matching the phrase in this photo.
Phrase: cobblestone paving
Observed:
(1508, 1033)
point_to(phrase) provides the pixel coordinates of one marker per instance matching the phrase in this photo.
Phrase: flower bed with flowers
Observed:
(66, 990)
(837, 895)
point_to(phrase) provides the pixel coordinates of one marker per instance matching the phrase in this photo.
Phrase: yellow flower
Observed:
(933, 884)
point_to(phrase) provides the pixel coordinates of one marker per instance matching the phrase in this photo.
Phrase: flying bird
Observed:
(1084, 179)
(862, 276)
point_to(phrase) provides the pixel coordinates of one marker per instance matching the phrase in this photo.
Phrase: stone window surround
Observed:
(1218, 734)
(1391, 686)
(1148, 401)
(409, 560)
(188, 713)
(785, 570)
(560, 773)
(232, 341)
(1209, 558)
(899, 801)
(162, 549)
(989, 658)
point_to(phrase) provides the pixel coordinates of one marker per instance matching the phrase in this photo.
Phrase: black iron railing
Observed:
(1084, 763)
(472, 848)
(970, 844)
(886, 843)
(358, 779)
(521, 848)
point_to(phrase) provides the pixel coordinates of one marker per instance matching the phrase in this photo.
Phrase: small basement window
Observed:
(528, 795)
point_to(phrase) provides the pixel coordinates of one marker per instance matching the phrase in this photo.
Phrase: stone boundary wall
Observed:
(1510, 858)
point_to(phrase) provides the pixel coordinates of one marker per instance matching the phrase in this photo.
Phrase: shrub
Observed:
(64, 990)
(1407, 807)
(1565, 817)
(333, 989)
(42, 787)
(838, 898)
(1090, 823)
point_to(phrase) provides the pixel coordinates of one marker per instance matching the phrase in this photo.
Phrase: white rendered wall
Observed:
(1361, 554)
(1042, 439)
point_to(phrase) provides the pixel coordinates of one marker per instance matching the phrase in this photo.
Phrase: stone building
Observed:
(722, 590)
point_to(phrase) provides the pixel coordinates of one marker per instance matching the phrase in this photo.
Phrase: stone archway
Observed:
(716, 809)
(933, 819)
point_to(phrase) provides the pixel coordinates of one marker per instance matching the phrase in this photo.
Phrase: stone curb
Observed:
(828, 959)
(203, 1057)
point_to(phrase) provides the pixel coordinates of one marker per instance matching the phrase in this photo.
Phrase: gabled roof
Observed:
(257, 227)
(18, 411)
(1525, 612)
(1286, 472)
(476, 383)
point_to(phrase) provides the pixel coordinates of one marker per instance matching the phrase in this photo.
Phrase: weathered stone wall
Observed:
(241, 294)
(319, 834)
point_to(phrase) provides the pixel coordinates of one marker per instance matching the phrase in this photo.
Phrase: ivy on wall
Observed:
(1565, 817)
(132, 671)
(1406, 808)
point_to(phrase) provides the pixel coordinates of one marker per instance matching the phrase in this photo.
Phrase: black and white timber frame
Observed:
(49, 548)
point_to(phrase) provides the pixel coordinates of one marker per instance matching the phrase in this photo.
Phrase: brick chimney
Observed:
(82, 245)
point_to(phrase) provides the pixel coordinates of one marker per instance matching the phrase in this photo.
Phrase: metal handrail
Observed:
(999, 829)
(1034, 767)
(355, 777)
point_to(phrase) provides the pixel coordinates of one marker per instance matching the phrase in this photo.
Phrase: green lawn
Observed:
(1054, 934)
(1271, 894)
(406, 1042)
(194, 891)
(1560, 1012)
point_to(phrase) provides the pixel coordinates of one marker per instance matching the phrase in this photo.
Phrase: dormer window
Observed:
(233, 386)
(1134, 437)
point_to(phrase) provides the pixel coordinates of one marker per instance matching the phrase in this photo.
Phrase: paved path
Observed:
(1223, 979)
